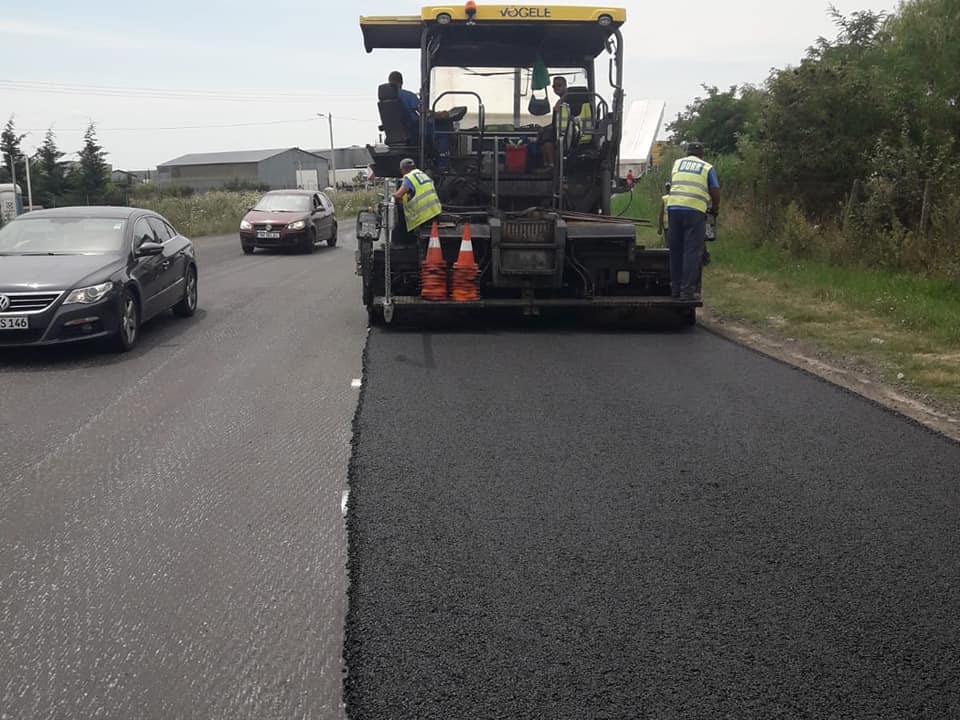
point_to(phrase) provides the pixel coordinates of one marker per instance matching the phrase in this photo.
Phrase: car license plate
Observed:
(263, 234)
(14, 323)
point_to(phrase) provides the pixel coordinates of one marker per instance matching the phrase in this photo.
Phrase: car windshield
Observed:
(62, 236)
(284, 203)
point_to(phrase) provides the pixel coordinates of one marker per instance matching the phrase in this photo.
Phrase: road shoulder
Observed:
(826, 366)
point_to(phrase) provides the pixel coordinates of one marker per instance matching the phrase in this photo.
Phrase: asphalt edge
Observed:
(904, 407)
(351, 531)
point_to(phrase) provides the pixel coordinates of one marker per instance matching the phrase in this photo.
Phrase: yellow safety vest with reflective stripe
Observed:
(586, 113)
(688, 184)
(424, 205)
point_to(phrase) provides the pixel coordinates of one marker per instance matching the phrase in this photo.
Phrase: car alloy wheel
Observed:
(128, 329)
(188, 304)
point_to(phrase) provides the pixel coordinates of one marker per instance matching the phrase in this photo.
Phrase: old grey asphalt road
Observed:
(171, 541)
(586, 525)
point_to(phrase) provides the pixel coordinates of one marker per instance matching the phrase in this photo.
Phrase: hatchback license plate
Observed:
(264, 235)
(14, 323)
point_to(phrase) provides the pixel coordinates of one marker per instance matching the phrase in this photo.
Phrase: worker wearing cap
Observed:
(694, 189)
(418, 195)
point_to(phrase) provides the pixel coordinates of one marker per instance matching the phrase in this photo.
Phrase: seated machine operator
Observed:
(547, 138)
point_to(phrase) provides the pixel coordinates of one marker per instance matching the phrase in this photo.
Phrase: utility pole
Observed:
(333, 149)
(26, 162)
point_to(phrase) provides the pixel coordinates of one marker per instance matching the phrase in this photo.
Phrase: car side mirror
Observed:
(149, 248)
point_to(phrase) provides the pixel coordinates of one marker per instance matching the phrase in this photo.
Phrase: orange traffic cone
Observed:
(465, 271)
(433, 272)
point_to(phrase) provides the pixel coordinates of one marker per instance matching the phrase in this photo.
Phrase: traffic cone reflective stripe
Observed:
(434, 251)
(465, 271)
(433, 271)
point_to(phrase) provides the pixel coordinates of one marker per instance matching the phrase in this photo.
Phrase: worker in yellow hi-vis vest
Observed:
(420, 201)
(694, 189)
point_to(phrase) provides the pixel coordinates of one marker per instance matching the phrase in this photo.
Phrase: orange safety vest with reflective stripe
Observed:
(424, 205)
(689, 184)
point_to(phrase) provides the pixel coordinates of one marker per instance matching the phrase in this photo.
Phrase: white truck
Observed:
(11, 202)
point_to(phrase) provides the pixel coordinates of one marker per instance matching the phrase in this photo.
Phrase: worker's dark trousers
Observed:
(686, 235)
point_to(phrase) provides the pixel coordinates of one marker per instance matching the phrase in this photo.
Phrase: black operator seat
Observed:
(392, 116)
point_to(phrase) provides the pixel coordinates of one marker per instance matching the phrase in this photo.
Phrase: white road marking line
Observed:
(343, 502)
(356, 382)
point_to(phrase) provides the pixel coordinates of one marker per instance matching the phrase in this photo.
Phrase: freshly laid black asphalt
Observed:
(655, 525)
(171, 539)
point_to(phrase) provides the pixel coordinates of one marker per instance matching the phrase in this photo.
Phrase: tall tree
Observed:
(719, 119)
(10, 147)
(51, 181)
(822, 120)
(924, 54)
(92, 176)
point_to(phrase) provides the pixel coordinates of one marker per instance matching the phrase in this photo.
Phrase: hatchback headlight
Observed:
(298, 225)
(87, 295)
(244, 225)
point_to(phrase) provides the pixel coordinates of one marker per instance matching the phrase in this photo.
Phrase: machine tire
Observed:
(375, 316)
(247, 249)
(332, 240)
(689, 316)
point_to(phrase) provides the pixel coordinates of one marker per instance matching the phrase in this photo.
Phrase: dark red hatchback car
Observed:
(299, 219)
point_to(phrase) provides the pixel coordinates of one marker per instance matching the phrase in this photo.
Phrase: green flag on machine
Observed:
(541, 75)
(540, 81)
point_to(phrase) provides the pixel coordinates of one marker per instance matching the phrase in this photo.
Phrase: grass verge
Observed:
(219, 213)
(904, 329)
(638, 205)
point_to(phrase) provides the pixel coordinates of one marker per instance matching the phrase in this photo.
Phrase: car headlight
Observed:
(298, 225)
(244, 225)
(87, 295)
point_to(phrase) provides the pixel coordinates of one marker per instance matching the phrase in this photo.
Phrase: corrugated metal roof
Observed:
(227, 158)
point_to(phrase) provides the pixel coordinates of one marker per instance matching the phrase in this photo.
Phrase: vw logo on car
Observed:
(4, 303)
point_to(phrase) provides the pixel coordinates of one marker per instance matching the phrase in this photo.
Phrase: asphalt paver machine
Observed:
(542, 232)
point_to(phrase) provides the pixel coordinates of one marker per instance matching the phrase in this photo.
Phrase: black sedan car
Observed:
(85, 273)
(298, 219)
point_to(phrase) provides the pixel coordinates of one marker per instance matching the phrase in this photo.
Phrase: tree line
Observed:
(854, 152)
(56, 181)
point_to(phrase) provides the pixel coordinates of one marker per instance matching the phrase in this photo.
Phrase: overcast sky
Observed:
(221, 63)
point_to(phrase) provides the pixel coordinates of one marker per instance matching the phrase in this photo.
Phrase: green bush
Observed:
(798, 236)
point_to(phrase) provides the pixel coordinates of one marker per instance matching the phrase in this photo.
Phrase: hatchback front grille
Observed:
(29, 302)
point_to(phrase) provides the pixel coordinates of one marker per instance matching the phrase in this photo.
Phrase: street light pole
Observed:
(333, 149)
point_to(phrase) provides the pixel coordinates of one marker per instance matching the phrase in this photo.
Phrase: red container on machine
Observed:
(515, 157)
